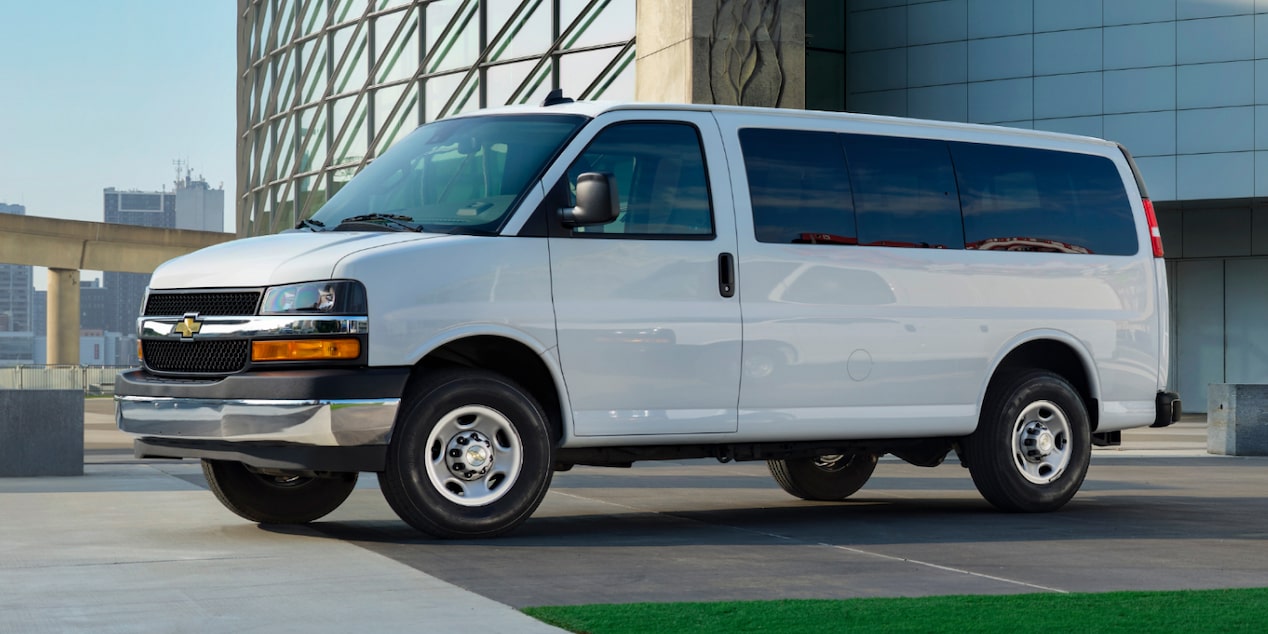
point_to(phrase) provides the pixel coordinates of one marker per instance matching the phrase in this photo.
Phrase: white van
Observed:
(513, 292)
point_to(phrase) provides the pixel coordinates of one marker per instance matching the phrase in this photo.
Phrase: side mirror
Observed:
(597, 201)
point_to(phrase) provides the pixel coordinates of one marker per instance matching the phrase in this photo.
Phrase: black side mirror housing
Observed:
(597, 201)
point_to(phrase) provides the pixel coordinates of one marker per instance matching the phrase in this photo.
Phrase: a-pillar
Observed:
(63, 317)
(733, 52)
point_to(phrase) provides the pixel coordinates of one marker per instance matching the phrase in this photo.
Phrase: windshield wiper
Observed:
(386, 220)
(315, 225)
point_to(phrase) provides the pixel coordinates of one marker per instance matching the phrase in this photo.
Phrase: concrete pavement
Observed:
(142, 546)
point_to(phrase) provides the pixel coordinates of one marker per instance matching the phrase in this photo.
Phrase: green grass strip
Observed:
(1243, 610)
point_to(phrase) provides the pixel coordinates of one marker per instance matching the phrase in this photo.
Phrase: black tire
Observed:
(276, 499)
(1032, 445)
(824, 478)
(451, 418)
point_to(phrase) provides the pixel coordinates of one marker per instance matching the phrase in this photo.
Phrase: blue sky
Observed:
(107, 93)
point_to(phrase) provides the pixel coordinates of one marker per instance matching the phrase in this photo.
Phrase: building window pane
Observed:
(313, 15)
(453, 35)
(450, 94)
(349, 115)
(286, 80)
(312, 130)
(524, 33)
(825, 80)
(395, 114)
(397, 57)
(580, 74)
(608, 22)
(511, 83)
(350, 58)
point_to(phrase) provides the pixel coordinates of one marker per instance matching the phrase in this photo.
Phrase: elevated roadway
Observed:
(66, 247)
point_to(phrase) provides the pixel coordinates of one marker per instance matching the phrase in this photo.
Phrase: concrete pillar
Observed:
(63, 317)
(733, 52)
(1237, 419)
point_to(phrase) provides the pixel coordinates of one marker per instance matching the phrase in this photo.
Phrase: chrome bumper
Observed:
(321, 423)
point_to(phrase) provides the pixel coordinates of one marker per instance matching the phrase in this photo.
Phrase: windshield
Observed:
(459, 175)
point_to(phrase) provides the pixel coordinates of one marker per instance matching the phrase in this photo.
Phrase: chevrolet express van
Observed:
(512, 292)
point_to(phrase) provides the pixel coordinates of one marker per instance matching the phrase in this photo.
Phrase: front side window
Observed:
(461, 175)
(660, 176)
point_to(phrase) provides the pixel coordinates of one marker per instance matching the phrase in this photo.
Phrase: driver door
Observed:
(648, 326)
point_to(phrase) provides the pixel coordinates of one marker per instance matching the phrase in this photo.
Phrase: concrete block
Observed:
(41, 433)
(1237, 419)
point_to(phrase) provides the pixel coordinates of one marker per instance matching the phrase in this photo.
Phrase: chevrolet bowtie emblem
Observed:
(188, 326)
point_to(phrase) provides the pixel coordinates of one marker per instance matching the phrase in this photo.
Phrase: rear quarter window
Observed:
(1027, 199)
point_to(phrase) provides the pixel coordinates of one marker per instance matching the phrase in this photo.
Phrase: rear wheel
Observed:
(1032, 445)
(276, 499)
(472, 457)
(826, 478)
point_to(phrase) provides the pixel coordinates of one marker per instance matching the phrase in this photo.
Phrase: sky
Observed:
(108, 93)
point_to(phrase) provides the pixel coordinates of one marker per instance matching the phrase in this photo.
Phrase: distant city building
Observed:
(193, 204)
(96, 347)
(16, 297)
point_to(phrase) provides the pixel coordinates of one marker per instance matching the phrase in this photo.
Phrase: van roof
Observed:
(596, 108)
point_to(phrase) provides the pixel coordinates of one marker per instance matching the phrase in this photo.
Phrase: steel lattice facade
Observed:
(326, 85)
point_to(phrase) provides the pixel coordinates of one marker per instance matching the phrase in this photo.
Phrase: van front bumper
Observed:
(330, 420)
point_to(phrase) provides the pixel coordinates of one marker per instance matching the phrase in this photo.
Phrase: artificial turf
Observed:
(1243, 610)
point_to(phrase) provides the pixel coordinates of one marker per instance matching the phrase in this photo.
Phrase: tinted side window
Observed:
(904, 192)
(798, 185)
(660, 175)
(1025, 199)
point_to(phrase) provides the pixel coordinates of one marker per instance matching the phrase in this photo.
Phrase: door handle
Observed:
(726, 274)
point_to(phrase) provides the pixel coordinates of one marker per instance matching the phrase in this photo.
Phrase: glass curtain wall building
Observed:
(327, 85)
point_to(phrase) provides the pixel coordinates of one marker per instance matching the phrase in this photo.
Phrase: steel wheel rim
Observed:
(833, 462)
(1041, 441)
(277, 481)
(474, 456)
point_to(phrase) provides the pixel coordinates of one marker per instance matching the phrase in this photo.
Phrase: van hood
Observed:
(276, 259)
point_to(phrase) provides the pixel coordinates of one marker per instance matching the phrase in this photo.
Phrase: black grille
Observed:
(211, 356)
(175, 304)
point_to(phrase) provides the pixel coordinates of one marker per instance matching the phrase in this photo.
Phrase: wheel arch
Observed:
(523, 362)
(1056, 352)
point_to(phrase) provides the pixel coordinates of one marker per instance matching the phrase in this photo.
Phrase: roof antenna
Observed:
(555, 98)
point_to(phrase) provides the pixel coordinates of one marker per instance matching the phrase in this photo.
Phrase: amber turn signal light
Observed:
(305, 350)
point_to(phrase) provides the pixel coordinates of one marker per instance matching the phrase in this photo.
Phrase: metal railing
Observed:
(92, 379)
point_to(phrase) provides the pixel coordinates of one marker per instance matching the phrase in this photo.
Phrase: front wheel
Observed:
(825, 478)
(472, 456)
(276, 499)
(1032, 445)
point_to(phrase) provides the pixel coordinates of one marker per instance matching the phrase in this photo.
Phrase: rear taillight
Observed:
(1155, 236)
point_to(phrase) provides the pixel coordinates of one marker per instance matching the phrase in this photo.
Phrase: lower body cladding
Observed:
(312, 421)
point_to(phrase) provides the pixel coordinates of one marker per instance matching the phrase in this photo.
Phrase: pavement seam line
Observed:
(946, 568)
(857, 551)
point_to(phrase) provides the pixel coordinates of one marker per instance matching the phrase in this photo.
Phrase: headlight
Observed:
(334, 297)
